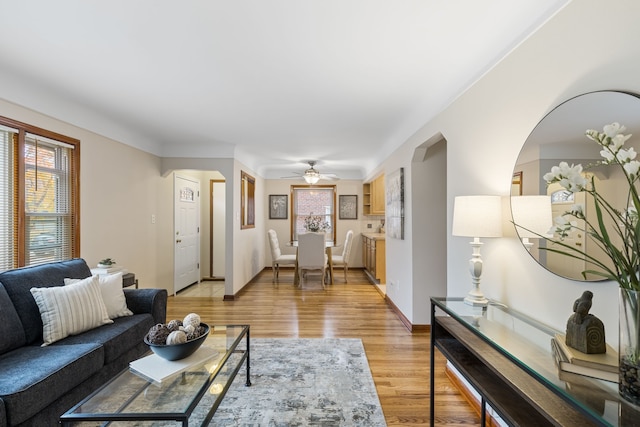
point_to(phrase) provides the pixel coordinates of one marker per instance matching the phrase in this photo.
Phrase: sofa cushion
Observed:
(117, 338)
(33, 377)
(112, 294)
(70, 310)
(18, 283)
(10, 327)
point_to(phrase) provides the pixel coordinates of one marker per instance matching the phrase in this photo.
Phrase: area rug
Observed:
(303, 382)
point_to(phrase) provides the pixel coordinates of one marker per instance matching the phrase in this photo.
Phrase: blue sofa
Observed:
(38, 384)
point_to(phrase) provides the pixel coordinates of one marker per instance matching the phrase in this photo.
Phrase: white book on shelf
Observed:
(607, 361)
(565, 365)
(107, 270)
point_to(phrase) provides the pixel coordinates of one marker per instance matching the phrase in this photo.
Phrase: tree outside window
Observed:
(316, 200)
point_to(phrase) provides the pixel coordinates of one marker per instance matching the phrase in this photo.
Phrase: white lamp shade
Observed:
(477, 216)
(532, 213)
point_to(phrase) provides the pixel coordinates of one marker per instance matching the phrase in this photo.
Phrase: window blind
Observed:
(48, 200)
(8, 219)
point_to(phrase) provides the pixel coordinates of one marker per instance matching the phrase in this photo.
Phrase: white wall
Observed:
(429, 178)
(219, 221)
(249, 244)
(120, 189)
(590, 45)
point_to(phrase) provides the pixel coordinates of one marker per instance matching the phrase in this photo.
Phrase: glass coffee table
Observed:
(187, 398)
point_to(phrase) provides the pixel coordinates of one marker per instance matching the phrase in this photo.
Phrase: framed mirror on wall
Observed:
(560, 136)
(247, 201)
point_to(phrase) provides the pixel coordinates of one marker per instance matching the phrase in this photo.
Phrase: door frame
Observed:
(198, 243)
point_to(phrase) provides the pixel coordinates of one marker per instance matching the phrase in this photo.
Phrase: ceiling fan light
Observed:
(311, 176)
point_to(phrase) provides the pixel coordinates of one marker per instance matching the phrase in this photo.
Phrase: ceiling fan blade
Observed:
(329, 177)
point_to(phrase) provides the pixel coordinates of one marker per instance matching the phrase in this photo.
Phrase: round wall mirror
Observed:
(560, 136)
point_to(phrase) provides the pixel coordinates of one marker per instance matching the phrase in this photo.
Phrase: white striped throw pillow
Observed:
(70, 310)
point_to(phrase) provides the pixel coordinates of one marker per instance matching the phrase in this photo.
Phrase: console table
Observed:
(507, 358)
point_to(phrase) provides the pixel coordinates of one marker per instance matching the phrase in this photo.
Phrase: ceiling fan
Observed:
(313, 175)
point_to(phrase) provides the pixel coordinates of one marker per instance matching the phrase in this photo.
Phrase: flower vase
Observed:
(629, 330)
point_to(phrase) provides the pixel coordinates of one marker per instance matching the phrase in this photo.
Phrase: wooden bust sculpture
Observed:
(585, 332)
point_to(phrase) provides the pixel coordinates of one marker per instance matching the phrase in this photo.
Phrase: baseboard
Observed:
(380, 291)
(469, 396)
(407, 324)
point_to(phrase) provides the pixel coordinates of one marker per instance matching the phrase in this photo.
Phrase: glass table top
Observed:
(130, 396)
(527, 342)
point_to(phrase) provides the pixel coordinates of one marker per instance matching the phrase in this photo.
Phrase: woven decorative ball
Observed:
(174, 325)
(158, 334)
(176, 337)
(191, 319)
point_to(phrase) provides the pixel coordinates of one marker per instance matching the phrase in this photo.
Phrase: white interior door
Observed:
(186, 232)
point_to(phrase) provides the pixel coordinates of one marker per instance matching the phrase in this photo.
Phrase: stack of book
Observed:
(155, 369)
(107, 270)
(603, 366)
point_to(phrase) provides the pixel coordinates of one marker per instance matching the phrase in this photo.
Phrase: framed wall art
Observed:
(278, 206)
(394, 208)
(348, 207)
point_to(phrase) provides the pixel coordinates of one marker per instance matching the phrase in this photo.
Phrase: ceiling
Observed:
(272, 83)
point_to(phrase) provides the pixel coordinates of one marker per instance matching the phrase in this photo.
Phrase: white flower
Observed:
(594, 135)
(577, 210)
(618, 141)
(562, 227)
(610, 137)
(620, 241)
(625, 156)
(608, 156)
(613, 129)
(316, 223)
(632, 168)
(569, 177)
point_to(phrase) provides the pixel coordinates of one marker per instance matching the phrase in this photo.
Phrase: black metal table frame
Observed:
(68, 418)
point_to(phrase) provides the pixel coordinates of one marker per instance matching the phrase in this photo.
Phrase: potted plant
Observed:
(616, 231)
(106, 263)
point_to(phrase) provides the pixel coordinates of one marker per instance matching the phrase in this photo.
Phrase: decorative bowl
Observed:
(178, 351)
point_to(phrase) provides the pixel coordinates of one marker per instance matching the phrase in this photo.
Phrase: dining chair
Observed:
(311, 255)
(277, 258)
(342, 260)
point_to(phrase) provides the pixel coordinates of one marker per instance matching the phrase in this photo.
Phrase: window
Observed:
(317, 200)
(39, 200)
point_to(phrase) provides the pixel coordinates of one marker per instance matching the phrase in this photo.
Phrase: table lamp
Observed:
(531, 217)
(477, 216)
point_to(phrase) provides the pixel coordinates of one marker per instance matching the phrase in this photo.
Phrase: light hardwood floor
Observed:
(399, 360)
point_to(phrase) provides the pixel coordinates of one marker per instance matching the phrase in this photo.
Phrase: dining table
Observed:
(329, 245)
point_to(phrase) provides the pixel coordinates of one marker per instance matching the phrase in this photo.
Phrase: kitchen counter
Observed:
(373, 256)
(374, 236)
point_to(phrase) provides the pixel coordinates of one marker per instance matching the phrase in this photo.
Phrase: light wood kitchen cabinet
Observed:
(373, 256)
(373, 196)
(377, 196)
